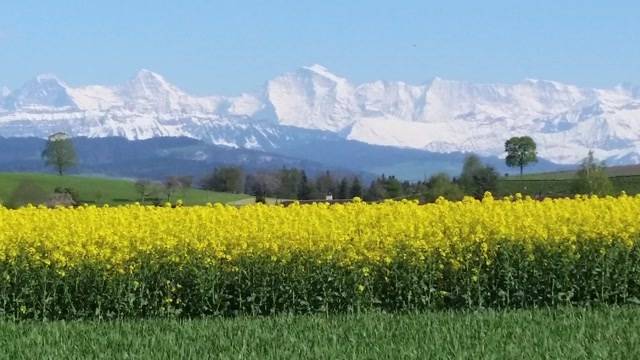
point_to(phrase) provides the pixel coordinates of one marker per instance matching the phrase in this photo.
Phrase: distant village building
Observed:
(60, 199)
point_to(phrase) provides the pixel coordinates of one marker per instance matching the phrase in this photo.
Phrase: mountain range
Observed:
(160, 157)
(313, 105)
(155, 158)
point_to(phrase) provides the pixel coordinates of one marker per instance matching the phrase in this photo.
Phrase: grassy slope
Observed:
(113, 191)
(625, 178)
(531, 334)
(627, 170)
(562, 187)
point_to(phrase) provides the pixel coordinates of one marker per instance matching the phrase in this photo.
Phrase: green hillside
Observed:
(613, 171)
(103, 190)
(623, 178)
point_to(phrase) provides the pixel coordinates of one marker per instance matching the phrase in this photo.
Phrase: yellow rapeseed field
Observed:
(394, 255)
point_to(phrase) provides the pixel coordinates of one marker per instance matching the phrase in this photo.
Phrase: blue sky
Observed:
(226, 47)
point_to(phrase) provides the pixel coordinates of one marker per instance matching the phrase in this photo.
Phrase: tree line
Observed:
(291, 183)
(294, 184)
(149, 190)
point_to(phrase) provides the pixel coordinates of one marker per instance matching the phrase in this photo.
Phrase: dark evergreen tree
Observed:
(356, 188)
(289, 181)
(376, 191)
(409, 189)
(325, 185)
(225, 179)
(343, 189)
(259, 190)
(305, 190)
(392, 187)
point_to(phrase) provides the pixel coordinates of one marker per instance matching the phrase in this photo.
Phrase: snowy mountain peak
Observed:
(149, 91)
(438, 80)
(148, 76)
(44, 91)
(435, 79)
(549, 85)
(532, 80)
(313, 98)
(321, 71)
(147, 83)
(317, 68)
(47, 77)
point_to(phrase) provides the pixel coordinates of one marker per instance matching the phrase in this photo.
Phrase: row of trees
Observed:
(286, 183)
(167, 189)
(476, 178)
(60, 153)
(295, 184)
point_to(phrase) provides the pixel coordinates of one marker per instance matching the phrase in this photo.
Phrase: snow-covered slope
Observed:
(443, 115)
(313, 98)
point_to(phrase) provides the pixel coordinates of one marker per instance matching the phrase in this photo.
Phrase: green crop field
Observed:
(623, 178)
(612, 171)
(602, 333)
(562, 187)
(104, 190)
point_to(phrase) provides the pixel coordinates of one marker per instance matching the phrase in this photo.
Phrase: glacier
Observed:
(566, 121)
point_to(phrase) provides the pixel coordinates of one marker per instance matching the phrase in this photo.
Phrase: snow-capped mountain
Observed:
(313, 98)
(146, 106)
(44, 93)
(441, 116)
